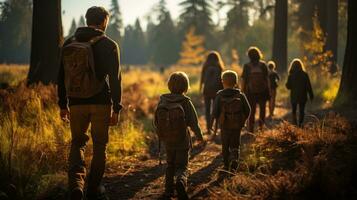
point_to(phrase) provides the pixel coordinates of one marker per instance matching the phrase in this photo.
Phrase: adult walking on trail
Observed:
(256, 85)
(89, 93)
(211, 82)
(300, 86)
(274, 78)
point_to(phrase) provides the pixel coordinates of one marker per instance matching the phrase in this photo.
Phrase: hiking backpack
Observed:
(79, 70)
(257, 81)
(232, 116)
(170, 122)
(212, 81)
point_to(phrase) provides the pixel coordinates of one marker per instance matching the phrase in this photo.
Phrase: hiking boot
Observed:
(99, 195)
(181, 191)
(76, 194)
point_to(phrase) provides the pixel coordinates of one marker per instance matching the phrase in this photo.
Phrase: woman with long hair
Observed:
(256, 85)
(211, 81)
(300, 87)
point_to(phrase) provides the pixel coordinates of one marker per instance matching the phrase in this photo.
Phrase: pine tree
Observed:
(198, 14)
(193, 51)
(82, 22)
(236, 26)
(15, 31)
(115, 22)
(73, 28)
(165, 48)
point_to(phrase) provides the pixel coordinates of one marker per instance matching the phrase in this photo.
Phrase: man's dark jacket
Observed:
(107, 66)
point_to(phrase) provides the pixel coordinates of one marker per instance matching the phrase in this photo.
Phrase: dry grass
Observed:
(290, 163)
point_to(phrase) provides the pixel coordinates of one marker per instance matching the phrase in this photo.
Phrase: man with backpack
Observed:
(231, 110)
(174, 114)
(256, 86)
(89, 91)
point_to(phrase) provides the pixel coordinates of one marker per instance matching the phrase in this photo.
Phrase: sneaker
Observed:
(181, 191)
(76, 194)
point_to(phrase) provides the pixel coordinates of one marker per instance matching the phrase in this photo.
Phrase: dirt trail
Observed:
(135, 179)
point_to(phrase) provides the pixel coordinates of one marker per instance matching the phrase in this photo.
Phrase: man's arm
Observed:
(115, 79)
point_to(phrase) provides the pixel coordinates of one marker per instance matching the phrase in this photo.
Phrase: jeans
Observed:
(230, 148)
(301, 112)
(253, 101)
(177, 165)
(208, 110)
(80, 118)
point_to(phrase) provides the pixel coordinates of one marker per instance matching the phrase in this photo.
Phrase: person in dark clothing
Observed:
(300, 87)
(256, 85)
(177, 151)
(100, 110)
(230, 136)
(274, 78)
(211, 82)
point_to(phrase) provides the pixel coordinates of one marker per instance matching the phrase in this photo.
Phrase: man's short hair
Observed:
(178, 83)
(230, 78)
(96, 15)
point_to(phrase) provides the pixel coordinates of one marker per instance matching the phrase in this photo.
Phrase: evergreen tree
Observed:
(82, 22)
(236, 26)
(165, 48)
(115, 23)
(72, 29)
(134, 45)
(15, 31)
(193, 51)
(198, 14)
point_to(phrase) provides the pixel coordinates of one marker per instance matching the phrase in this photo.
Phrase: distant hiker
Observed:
(299, 85)
(89, 90)
(174, 114)
(274, 79)
(211, 81)
(256, 85)
(231, 110)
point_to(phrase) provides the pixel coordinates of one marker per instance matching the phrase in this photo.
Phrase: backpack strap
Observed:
(96, 39)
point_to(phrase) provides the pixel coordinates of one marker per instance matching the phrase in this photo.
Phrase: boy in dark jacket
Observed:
(274, 78)
(299, 85)
(175, 113)
(231, 110)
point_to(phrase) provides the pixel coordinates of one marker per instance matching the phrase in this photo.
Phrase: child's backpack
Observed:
(212, 81)
(80, 76)
(232, 115)
(257, 81)
(170, 122)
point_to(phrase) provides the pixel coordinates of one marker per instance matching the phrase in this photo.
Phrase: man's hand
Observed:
(64, 114)
(114, 118)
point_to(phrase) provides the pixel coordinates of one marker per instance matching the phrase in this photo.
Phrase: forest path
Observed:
(144, 178)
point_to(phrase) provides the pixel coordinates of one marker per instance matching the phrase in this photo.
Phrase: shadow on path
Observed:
(125, 187)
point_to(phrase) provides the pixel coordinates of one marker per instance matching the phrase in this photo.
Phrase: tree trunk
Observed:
(347, 94)
(280, 35)
(47, 37)
(332, 32)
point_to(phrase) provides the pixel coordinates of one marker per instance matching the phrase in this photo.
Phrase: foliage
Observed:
(164, 46)
(115, 22)
(72, 29)
(134, 45)
(289, 162)
(15, 31)
(193, 51)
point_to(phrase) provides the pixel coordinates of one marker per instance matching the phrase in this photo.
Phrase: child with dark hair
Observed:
(174, 114)
(274, 79)
(300, 87)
